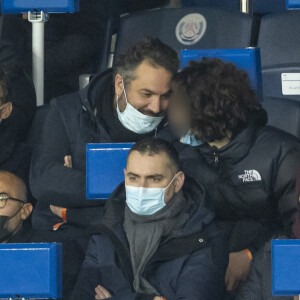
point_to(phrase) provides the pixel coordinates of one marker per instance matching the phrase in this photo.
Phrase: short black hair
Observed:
(153, 146)
(221, 96)
(152, 50)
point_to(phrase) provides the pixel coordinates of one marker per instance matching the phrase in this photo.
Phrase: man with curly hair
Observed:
(249, 169)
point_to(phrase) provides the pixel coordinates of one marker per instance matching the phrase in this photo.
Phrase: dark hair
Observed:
(221, 97)
(154, 146)
(152, 50)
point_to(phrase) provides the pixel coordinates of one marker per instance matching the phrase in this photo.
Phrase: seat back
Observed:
(283, 114)
(31, 271)
(286, 267)
(279, 42)
(220, 4)
(104, 168)
(186, 28)
(246, 59)
(267, 6)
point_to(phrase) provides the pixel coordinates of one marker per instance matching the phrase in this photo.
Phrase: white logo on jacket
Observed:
(190, 29)
(250, 175)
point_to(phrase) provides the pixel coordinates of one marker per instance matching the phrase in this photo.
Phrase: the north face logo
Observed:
(250, 175)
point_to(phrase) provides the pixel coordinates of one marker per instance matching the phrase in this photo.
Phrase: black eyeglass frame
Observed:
(5, 197)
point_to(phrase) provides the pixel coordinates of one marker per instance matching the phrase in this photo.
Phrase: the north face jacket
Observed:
(252, 182)
(189, 266)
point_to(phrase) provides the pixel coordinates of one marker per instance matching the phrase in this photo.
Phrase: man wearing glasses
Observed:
(14, 209)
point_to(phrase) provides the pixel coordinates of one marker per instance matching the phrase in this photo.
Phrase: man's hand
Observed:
(237, 270)
(68, 161)
(101, 293)
(56, 210)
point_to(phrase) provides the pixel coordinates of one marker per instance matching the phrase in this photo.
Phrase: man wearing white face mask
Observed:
(157, 239)
(125, 104)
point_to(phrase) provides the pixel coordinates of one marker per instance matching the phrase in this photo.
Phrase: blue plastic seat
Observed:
(104, 168)
(286, 267)
(31, 271)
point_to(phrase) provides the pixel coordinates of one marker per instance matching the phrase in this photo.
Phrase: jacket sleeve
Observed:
(202, 277)
(100, 268)
(286, 190)
(51, 182)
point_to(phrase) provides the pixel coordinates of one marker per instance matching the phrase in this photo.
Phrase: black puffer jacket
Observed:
(251, 182)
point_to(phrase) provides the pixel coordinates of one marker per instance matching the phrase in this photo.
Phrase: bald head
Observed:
(13, 186)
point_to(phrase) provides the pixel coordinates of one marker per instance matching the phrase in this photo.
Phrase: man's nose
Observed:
(154, 105)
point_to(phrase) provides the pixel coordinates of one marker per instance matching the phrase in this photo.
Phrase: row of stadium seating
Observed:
(277, 36)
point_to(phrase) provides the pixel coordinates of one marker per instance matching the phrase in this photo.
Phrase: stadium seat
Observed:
(267, 6)
(186, 28)
(31, 271)
(35, 132)
(285, 267)
(220, 4)
(104, 168)
(279, 41)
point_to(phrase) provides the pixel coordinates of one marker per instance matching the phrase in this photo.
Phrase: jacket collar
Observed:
(239, 146)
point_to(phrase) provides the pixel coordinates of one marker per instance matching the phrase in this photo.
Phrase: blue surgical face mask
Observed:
(134, 120)
(190, 139)
(146, 201)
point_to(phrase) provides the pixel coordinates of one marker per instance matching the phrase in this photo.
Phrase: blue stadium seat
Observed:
(286, 267)
(186, 28)
(279, 41)
(104, 168)
(31, 271)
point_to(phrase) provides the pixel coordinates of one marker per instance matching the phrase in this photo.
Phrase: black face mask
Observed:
(5, 234)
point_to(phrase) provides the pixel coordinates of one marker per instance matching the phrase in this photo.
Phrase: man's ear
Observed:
(119, 87)
(125, 173)
(179, 181)
(26, 211)
(6, 110)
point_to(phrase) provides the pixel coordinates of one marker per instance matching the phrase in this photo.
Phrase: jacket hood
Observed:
(88, 95)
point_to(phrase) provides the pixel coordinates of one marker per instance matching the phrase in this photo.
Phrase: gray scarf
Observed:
(144, 234)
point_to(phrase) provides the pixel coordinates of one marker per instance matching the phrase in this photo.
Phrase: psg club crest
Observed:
(190, 29)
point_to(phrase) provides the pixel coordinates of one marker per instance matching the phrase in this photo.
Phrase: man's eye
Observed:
(147, 95)
(132, 178)
(156, 179)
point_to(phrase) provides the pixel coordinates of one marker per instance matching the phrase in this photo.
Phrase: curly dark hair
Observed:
(152, 50)
(221, 97)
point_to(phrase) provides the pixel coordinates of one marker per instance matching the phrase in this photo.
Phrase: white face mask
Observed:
(190, 139)
(134, 120)
(146, 201)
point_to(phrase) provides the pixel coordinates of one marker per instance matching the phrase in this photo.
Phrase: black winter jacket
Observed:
(252, 182)
(73, 121)
(190, 265)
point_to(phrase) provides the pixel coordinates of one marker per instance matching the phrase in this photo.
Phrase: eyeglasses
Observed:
(4, 198)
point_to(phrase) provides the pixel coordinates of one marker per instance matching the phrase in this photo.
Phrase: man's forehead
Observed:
(145, 163)
(152, 78)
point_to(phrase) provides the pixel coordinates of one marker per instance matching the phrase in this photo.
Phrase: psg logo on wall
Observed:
(190, 29)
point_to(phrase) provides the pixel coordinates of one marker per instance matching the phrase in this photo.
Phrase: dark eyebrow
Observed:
(147, 91)
(154, 176)
(152, 92)
(133, 174)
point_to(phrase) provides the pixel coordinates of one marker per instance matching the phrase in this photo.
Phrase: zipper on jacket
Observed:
(216, 156)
